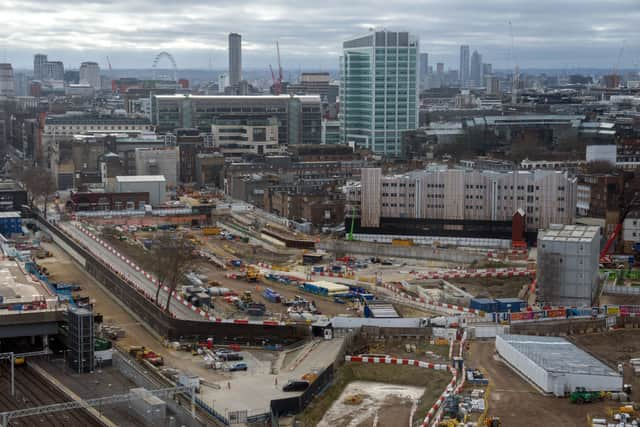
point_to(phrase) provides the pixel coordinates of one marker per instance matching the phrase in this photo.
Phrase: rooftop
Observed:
(238, 98)
(18, 287)
(140, 178)
(569, 233)
(93, 119)
(557, 355)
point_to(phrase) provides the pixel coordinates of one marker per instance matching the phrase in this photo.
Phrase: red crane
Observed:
(624, 211)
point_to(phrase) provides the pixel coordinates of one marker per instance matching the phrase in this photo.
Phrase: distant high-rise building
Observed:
(90, 74)
(223, 82)
(476, 69)
(38, 66)
(440, 68)
(7, 82)
(235, 59)
(53, 70)
(424, 68)
(375, 111)
(487, 69)
(492, 84)
(463, 71)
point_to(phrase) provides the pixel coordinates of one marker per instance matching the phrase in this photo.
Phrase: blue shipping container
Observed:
(513, 305)
(487, 305)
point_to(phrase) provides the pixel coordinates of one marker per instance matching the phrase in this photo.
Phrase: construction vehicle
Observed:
(492, 422)
(581, 395)
(246, 297)
(253, 274)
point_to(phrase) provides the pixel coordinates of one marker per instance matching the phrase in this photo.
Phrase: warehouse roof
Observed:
(140, 178)
(341, 322)
(557, 355)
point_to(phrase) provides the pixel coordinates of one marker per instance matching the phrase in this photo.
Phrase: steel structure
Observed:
(165, 54)
(100, 401)
(12, 357)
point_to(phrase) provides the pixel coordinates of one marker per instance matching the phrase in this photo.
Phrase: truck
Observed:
(581, 395)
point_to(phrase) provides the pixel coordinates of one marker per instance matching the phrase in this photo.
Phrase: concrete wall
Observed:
(385, 250)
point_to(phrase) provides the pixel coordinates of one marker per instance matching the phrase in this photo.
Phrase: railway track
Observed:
(33, 390)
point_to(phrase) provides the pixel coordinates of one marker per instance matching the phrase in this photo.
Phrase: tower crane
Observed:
(277, 82)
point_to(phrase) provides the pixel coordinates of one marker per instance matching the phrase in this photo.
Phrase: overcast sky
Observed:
(547, 33)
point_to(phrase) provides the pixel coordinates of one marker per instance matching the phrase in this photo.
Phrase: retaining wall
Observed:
(387, 250)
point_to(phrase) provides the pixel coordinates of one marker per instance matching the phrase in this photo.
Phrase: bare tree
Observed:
(39, 183)
(173, 255)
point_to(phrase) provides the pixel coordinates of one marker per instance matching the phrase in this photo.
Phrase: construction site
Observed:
(268, 324)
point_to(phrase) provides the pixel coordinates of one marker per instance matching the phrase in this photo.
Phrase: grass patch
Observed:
(433, 382)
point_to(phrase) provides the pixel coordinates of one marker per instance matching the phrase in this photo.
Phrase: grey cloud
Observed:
(547, 33)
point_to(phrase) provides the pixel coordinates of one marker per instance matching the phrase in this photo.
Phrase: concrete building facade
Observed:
(299, 117)
(568, 264)
(7, 81)
(379, 90)
(546, 197)
(163, 161)
(90, 74)
(236, 137)
(154, 185)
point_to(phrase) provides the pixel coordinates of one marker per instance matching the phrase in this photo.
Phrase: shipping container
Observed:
(487, 305)
(513, 305)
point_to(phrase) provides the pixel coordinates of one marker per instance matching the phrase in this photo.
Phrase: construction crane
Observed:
(616, 66)
(109, 64)
(515, 78)
(277, 82)
(629, 201)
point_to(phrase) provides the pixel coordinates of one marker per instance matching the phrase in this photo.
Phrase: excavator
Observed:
(492, 422)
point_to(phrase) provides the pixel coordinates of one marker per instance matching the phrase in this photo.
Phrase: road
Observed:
(176, 307)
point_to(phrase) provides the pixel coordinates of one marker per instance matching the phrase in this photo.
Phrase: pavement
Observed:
(176, 307)
(254, 389)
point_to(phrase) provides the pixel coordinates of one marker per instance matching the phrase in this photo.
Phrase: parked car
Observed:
(295, 385)
(238, 367)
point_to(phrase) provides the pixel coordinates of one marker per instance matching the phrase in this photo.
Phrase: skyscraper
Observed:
(379, 90)
(424, 69)
(235, 58)
(463, 72)
(53, 70)
(476, 69)
(7, 82)
(90, 74)
(38, 66)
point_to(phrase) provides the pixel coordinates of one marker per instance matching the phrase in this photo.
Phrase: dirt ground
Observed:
(431, 383)
(620, 299)
(517, 402)
(493, 287)
(615, 347)
(324, 305)
(424, 350)
(382, 404)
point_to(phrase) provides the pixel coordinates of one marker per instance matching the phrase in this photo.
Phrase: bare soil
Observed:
(612, 348)
(493, 287)
(517, 402)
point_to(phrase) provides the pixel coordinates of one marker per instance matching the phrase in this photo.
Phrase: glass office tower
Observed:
(379, 90)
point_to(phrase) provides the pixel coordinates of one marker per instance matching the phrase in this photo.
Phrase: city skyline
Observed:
(589, 34)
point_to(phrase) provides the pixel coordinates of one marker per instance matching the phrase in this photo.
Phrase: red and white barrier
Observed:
(179, 298)
(464, 274)
(428, 304)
